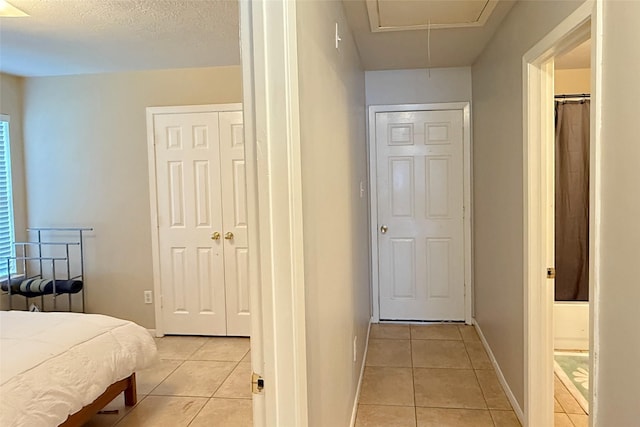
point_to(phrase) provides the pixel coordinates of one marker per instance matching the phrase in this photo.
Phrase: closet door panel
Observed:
(187, 151)
(234, 207)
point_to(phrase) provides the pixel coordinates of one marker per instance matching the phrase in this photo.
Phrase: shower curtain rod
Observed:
(574, 95)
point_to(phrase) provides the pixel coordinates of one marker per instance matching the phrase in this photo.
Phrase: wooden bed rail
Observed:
(128, 385)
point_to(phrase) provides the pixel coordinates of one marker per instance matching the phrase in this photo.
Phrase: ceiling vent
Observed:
(403, 15)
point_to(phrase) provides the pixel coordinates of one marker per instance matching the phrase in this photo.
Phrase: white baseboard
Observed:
(354, 412)
(512, 399)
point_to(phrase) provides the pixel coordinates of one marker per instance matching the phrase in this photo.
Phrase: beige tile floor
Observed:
(440, 375)
(430, 375)
(435, 375)
(568, 412)
(197, 382)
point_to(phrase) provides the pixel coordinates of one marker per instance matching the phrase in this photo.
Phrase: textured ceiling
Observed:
(450, 47)
(91, 36)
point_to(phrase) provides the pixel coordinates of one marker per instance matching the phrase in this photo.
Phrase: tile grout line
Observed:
(165, 378)
(181, 363)
(217, 388)
(151, 391)
(475, 374)
(413, 378)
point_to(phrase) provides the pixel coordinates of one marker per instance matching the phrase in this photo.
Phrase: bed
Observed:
(59, 368)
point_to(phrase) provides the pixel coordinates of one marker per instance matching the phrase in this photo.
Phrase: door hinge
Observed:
(161, 301)
(551, 273)
(257, 383)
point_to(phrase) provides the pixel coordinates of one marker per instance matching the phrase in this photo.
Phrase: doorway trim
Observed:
(269, 57)
(467, 200)
(538, 207)
(153, 192)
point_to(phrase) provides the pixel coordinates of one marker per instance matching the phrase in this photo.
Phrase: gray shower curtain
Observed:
(572, 201)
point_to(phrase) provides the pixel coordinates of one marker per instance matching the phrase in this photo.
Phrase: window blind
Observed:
(6, 201)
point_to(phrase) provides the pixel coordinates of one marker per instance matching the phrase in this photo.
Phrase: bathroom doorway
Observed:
(572, 114)
(539, 207)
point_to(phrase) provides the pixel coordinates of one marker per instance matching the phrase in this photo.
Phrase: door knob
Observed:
(215, 236)
(383, 229)
(228, 235)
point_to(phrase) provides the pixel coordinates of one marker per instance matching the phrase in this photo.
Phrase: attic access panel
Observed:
(402, 15)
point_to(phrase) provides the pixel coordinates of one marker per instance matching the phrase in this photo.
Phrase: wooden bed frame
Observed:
(128, 385)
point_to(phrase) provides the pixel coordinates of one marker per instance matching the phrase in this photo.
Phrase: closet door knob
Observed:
(215, 236)
(228, 235)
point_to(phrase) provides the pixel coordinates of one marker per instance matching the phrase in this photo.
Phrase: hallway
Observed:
(430, 375)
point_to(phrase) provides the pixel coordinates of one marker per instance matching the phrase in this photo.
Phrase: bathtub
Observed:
(571, 325)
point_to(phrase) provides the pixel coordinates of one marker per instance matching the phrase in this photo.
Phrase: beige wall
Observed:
(336, 239)
(11, 103)
(572, 81)
(498, 181)
(619, 271)
(86, 162)
(418, 86)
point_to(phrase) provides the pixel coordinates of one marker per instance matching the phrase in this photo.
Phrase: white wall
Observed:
(85, 147)
(336, 240)
(619, 272)
(498, 181)
(418, 86)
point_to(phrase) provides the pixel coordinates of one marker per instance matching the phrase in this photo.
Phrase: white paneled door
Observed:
(420, 191)
(234, 222)
(202, 226)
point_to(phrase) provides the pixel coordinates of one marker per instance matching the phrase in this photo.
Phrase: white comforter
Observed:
(53, 364)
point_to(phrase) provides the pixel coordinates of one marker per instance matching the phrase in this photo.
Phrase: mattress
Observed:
(53, 364)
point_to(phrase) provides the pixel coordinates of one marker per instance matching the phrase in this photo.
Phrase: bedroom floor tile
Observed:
(109, 420)
(225, 412)
(223, 350)
(163, 411)
(238, 384)
(178, 348)
(148, 379)
(195, 378)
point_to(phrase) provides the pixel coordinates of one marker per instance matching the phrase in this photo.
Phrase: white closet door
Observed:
(189, 212)
(420, 210)
(234, 205)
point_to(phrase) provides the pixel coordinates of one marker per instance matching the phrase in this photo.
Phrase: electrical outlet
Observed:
(148, 297)
(361, 189)
(338, 39)
(355, 349)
